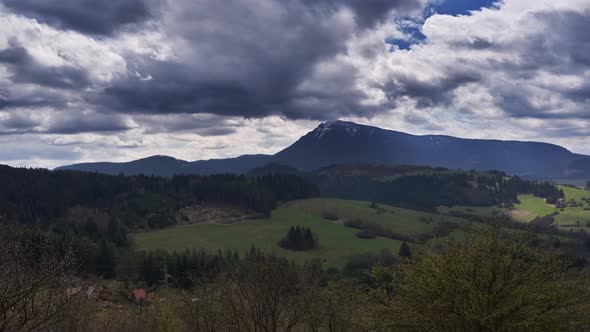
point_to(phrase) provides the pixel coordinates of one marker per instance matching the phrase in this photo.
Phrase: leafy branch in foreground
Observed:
(487, 283)
(35, 279)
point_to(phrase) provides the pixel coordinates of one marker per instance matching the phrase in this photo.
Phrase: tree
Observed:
(105, 260)
(588, 185)
(299, 239)
(36, 282)
(486, 283)
(268, 293)
(117, 233)
(556, 243)
(404, 251)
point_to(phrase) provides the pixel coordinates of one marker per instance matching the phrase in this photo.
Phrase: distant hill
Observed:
(155, 165)
(241, 164)
(341, 142)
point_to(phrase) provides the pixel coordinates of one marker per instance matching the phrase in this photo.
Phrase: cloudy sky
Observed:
(89, 80)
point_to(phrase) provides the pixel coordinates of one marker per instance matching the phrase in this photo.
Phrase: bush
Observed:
(372, 227)
(366, 234)
(404, 251)
(330, 215)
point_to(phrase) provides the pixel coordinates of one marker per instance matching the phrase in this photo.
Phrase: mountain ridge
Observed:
(342, 142)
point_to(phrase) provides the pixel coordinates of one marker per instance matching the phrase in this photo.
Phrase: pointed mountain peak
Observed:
(338, 126)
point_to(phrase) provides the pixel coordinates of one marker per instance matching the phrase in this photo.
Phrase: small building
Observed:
(139, 296)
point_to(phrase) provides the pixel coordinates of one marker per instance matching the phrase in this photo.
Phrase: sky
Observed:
(88, 80)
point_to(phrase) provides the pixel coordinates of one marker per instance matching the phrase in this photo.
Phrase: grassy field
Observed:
(336, 242)
(399, 220)
(532, 206)
(572, 216)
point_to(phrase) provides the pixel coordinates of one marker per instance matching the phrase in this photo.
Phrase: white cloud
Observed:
(517, 71)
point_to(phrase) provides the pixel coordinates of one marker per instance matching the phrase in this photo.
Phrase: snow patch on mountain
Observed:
(341, 126)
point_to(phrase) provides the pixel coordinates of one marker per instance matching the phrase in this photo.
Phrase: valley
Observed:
(337, 243)
(168, 245)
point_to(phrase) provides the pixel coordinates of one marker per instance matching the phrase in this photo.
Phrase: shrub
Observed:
(378, 230)
(330, 215)
(366, 234)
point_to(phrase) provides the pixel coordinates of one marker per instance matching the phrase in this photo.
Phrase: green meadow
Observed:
(530, 207)
(535, 206)
(336, 242)
(575, 218)
(570, 218)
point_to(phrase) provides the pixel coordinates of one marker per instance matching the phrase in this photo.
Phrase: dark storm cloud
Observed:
(250, 61)
(579, 94)
(73, 123)
(248, 58)
(25, 69)
(255, 58)
(63, 123)
(517, 103)
(431, 93)
(20, 122)
(569, 42)
(201, 125)
(101, 17)
(173, 88)
(17, 98)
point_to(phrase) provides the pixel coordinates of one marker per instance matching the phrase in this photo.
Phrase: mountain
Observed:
(341, 142)
(346, 142)
(168, 166)
(240, 164)
(154, 165)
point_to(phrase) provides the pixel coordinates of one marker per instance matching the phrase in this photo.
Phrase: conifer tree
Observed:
(404, 251)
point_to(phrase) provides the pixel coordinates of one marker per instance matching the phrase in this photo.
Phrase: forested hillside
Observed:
(426, 188)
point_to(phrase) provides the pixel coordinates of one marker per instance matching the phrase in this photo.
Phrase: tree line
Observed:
(489, 282)
(32, 196)
(93, 213)
(432, 189)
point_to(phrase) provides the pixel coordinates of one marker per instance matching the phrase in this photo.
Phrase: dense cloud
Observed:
(252, 59)
(87, 16)
(191, 74)
(25, 70)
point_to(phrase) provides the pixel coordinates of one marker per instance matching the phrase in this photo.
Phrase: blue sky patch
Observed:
(458, 7)
(411, 28)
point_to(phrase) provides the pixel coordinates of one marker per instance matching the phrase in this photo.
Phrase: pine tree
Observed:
(404, 251)
(299, 239)
(105, 260)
